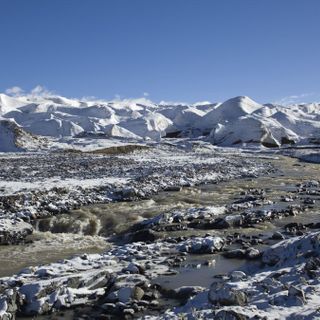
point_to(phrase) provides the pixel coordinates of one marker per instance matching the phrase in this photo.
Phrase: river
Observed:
(86, 230)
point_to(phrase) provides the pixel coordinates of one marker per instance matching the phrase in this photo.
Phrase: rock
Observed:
(224, 294)
(286, 198)
(313, 225)
(219, 223)
(235, 254)
(272, 285)
(111, 298)
(237, 275)
(200, 245)
(143, 235)
(10, 301)
(233, 220)
(52, 208)
(137, 293)
(129, 311)
(14, 231)
(226, 222)
(133, 268)
(124, 294)
(293, 225)
(309, 201)
(296, 292)
(278, 236)
(184, 293)
(295, 297)
(253, 253)
(311, 266)
(229, 315)
(290, 249)
(110, 307)
(32, 292)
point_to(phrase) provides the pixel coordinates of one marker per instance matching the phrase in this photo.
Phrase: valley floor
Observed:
(164, 231)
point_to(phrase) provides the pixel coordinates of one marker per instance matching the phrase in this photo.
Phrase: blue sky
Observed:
(174, 50)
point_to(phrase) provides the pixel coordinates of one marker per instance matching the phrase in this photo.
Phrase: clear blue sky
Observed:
(182, 50)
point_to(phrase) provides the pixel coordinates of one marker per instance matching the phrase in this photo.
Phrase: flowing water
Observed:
(85, 229)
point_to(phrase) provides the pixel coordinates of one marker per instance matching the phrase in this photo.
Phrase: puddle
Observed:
(194, 273)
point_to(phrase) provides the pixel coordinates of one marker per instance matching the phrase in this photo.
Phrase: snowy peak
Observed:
(229, 110)
(243, 103)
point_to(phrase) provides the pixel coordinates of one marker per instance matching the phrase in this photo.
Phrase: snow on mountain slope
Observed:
(266, 111)
(14, 139)
(235, 122)
(116, 131)
(310, 108)
(230, 110)
(205, 106)
(152, 126)
(252, 129)
(183, 118)
(171, 111)
(95, 111)
(188, 117)
(303, 126)
(54, 127)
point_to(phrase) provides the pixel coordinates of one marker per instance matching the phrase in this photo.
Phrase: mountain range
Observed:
(27, 121)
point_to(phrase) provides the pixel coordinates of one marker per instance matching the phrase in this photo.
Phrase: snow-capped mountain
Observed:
(239, 121)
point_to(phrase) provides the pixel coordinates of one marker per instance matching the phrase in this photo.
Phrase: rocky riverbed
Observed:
(40, 185)
(203, 233)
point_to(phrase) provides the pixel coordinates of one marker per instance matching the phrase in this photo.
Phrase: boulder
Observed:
(224, 294)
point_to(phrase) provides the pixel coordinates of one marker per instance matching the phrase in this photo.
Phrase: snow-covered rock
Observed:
(226, 294)
(13, 138)
(288, 252)
(13, 231)
(201, 245)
